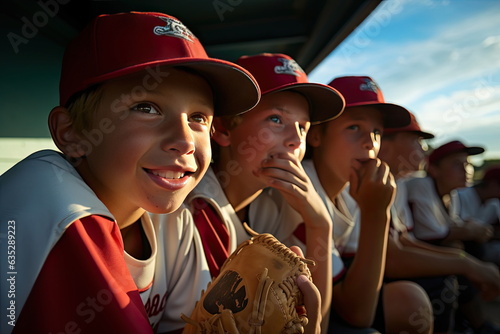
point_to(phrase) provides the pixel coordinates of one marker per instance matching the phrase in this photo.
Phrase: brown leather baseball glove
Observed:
(255, 292)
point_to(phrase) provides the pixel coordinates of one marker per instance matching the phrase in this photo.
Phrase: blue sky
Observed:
(438, 58)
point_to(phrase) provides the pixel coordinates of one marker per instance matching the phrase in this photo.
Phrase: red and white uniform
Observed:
(185, 273)
(430, 217)
(71, 273)
(218, 228)
(210, 190)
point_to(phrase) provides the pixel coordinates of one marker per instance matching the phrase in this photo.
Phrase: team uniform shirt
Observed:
(344, 212)
(270, 213)
(346, 224)
(401, 216)
(209, 191)
(185, 272)
(337, 265)
(148, 275)
(70, 271)
(430, 217)
(466, 205)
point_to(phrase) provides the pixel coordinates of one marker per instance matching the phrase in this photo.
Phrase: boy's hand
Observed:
(312, 299)
(286, 174)
(372, 186)
(312, 302)
(479, 232)
(486, 277)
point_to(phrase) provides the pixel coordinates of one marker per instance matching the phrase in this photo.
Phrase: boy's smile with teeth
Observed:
(169, 174)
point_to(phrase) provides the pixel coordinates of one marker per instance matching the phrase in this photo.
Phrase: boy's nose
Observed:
(369, 141)
(371, 144)
(294, 136)
(179, 138)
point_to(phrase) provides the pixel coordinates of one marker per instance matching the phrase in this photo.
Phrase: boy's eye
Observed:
(353, 127)
(200, 118)
(275, 119)
(146, 108)
(303, 128)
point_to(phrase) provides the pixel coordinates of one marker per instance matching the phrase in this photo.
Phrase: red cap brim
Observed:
(394, 116)
(325, 102)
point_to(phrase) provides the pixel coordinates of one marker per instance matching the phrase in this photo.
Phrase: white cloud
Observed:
(451, 80)
(469, 115)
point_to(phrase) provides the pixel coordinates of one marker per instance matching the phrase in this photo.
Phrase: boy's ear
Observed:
(65, 136)
(314, 136)
(221, 134)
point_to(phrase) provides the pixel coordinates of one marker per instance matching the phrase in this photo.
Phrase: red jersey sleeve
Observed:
(84, 286)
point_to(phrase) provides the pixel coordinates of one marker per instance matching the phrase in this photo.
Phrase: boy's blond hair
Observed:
(83, 108)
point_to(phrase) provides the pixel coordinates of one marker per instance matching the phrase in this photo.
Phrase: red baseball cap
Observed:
(115, 45)
(363, 91)
(492, 173)
(412, 127)
(278, 72)
(452, 147)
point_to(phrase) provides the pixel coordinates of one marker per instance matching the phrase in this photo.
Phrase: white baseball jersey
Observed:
(271, 213)
(185, 272)
(466, 205)
(344, 213)
(401, 215)
(46, 198)
(211, 191)
(68, 250)
(430, 218)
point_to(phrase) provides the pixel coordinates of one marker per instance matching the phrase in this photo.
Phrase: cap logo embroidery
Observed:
(369, 85)
(289, 67)
(174, 28)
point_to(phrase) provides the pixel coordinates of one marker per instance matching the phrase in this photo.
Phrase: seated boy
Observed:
(433, 267)
(481, 204)
(261, 148)
(429, 197)
(358, 190)
(448, 168)
(137, 98)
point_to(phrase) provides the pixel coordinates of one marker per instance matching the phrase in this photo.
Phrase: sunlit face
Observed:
(277, 126)
(151, 143)
(347, 142)
(407, 152)
(453, 171)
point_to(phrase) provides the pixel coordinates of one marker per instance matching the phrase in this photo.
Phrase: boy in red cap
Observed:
(262, 148)
(137, 98)
(448, 168)
(358, 189)
(408, 258)
(404, 148)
